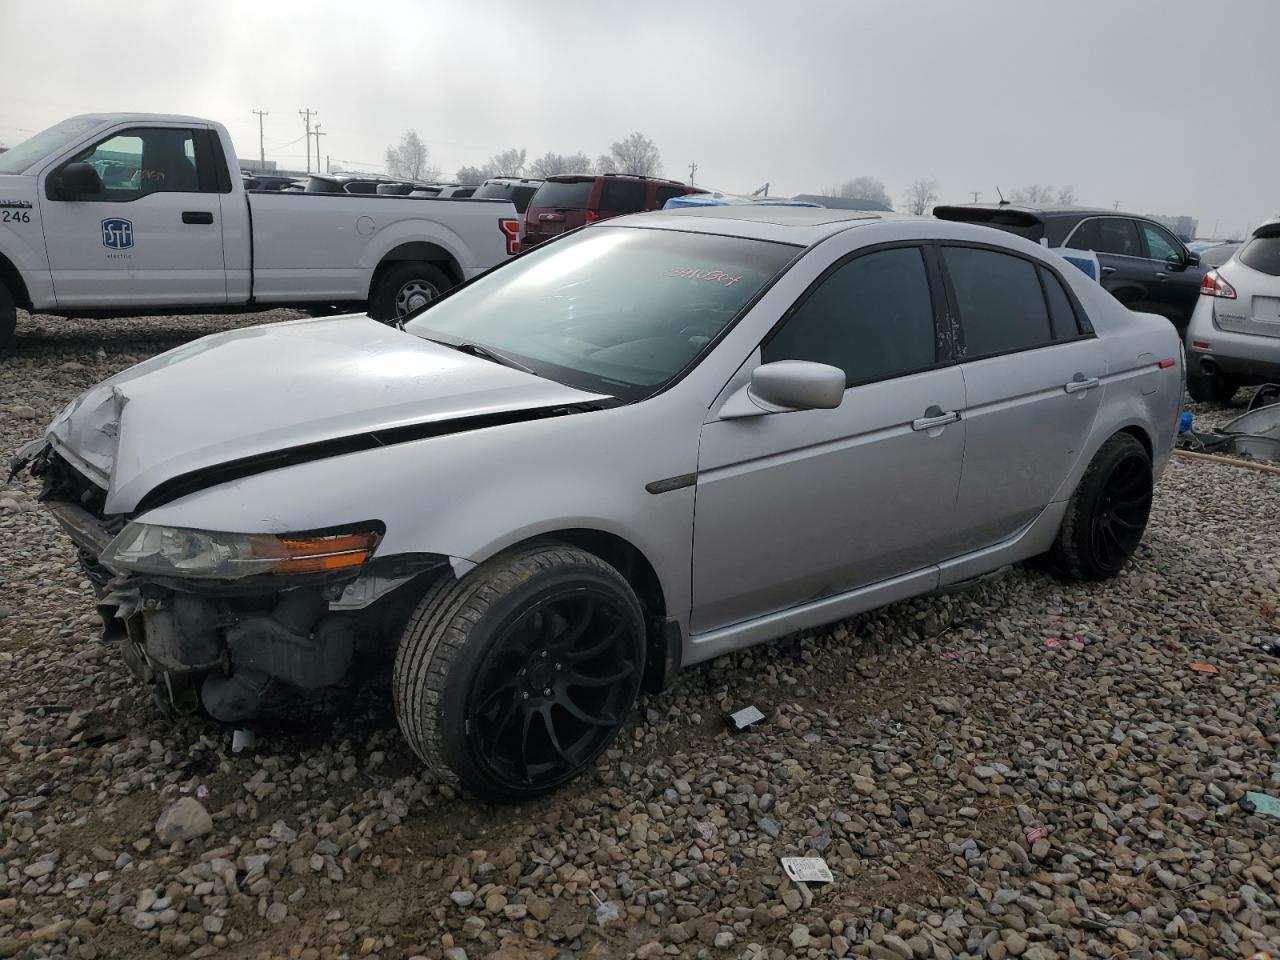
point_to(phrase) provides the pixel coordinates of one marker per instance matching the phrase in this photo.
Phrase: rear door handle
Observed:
(934, 417)
(1080, 382)
(1161, 276)
(1108, 270)
(197, 216)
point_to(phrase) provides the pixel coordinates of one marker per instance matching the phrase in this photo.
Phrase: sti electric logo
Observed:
(117, 234)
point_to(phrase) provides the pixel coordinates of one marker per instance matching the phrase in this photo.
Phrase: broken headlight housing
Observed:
(204, 554)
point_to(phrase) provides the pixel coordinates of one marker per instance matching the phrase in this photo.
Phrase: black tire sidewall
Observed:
(382, 306)
(1215, 389)
(8, 319)
(455, 743)
(1082, 560)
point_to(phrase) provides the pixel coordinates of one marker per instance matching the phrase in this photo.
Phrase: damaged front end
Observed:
(243, 625)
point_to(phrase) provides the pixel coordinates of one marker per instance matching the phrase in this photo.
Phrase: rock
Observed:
(463, 898)
(184, 820)
(41, 868)
(799, 936)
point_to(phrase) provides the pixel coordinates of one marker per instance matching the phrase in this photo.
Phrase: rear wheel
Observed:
(1107, 514)
(1214, 389)
(8, 320)
(406, 287)
(511, 681)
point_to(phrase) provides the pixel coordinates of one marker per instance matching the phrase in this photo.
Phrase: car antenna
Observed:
(1003, 201)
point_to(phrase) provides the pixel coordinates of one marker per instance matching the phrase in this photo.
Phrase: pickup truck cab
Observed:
(128, 214)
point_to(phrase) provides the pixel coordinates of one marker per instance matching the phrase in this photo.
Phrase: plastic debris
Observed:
(202, 792)
(1052, 643)
(243, 739)
(744, 717)
(606, 910)
(1262, 803)
(807, 869)
(1038, 833)
(1185, 421)
(1203, 667)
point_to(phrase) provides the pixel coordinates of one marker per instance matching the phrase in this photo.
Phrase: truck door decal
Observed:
(117, 233)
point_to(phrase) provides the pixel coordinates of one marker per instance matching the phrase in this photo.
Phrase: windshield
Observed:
(613, 310)
(19, 158)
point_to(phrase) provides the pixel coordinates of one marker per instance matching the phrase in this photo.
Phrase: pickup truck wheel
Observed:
(406, 287)
(8, 319)
(1107, 514)
(512, 680)
(1215, 389)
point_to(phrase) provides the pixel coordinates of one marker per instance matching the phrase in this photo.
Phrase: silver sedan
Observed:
(645, 444)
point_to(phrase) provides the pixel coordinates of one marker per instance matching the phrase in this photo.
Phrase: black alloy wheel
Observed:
(553, 687)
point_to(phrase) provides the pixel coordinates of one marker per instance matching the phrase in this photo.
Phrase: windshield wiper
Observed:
(484, 352)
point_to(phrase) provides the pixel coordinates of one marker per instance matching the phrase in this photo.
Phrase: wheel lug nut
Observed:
(543, 653)
(525, 695)
(546, 692)
(559, 667)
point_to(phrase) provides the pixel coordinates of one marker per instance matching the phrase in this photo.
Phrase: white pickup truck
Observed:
(129, 213)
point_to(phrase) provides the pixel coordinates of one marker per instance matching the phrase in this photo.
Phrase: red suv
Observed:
(571, 200)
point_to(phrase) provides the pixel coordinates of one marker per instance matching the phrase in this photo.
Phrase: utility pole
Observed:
(307, 114)
(693, 168)
(318, 135)
(975, 195)
(262, 151)
(1115, 205)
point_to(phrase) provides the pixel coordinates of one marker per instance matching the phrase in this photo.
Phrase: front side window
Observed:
(623, 196)
(872, 317)
(998, 296)
(1160, 246)
(135, 163)
(613, 310)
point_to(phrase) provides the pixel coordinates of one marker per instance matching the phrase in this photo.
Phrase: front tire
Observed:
(403, 288)
(1215, 389)
(8, 320)
(1107, 514)
(512, 680)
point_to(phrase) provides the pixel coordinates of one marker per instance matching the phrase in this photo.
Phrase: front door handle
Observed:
(1161, 276)
(197, 216)
(1080, 383)
(934, 417)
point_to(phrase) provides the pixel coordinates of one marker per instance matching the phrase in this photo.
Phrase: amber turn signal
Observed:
(324, 554)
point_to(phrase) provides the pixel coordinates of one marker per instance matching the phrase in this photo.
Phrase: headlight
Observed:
(174, 552)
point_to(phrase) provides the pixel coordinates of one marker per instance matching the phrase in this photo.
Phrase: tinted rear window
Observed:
(518, 194)
(1262, 254)
(1001, 305)
(565, 195)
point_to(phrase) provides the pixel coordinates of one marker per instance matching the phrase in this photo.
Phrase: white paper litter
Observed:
(807, 869)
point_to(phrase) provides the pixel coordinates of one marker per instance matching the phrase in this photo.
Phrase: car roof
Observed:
(803, 226)
(579, 177)
(152, 117)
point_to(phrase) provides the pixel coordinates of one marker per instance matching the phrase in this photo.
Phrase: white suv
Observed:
(1233, 339)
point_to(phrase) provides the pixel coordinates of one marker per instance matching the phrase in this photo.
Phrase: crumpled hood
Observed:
(261, 389)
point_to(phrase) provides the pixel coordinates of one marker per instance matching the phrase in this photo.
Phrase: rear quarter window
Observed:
(623, 196)
(564, 194)
(1262, 254)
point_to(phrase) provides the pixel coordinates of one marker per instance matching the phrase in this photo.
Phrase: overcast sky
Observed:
(1168, 106)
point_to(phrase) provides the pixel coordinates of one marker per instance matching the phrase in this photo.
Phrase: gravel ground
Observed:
(1031, 769)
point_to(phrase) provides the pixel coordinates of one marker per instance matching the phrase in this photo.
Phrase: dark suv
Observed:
(1143, 265)
(571, 200)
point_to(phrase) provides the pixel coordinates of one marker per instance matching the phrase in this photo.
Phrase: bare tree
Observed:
(636, 154)
(548, 165)
(508, 163)
(921, 196)
(577, 163)
(863, 188)
(1033, 195)
(410, 159)
(605, 164)
(473, 174)
(1067, 195)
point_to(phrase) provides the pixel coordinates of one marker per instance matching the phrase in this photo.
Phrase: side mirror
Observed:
(75, 181)
(787, 385)
(1193, 259)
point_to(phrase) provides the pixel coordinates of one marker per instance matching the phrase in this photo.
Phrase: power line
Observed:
(262, 150)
